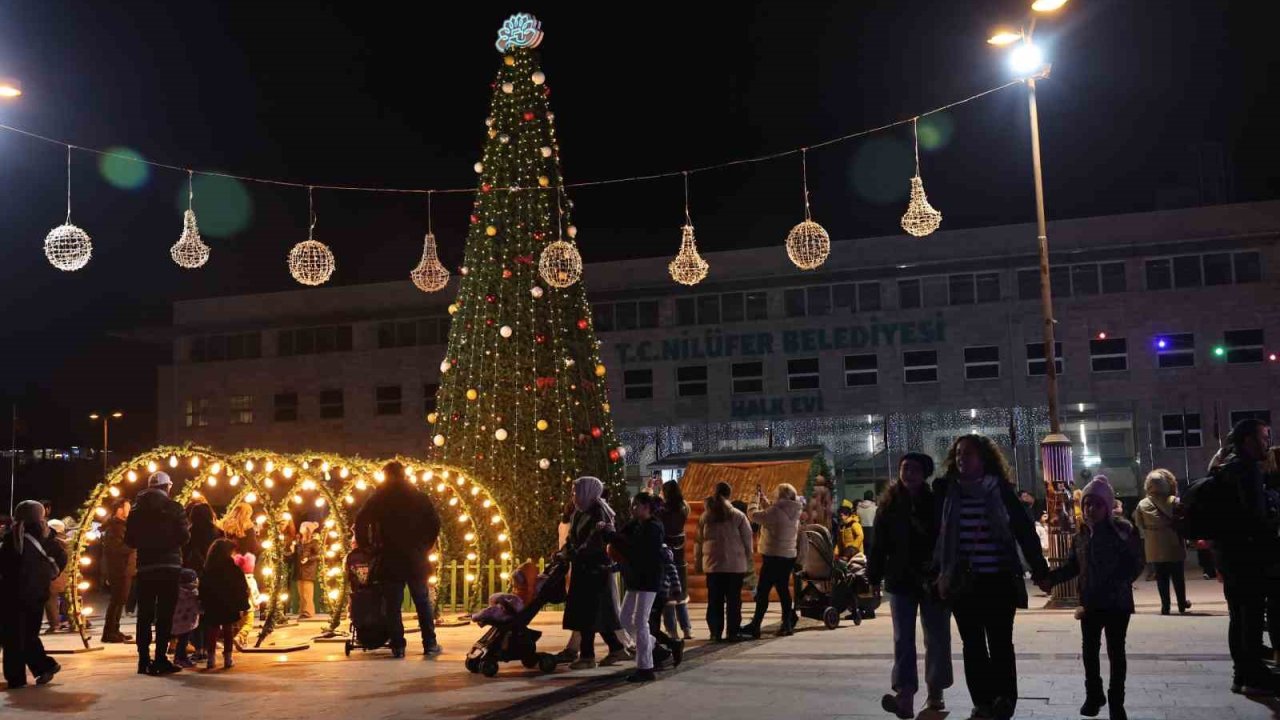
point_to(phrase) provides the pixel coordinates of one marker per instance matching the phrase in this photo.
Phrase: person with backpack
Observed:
(1233, 508)
(29, 561)
(1162, 546)
(399, 525)
(158, 529)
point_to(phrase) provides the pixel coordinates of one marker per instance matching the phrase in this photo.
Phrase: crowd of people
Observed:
(955, 546)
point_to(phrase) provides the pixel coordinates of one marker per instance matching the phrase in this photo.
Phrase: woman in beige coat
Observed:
(723, 551)
(1161, 544)
(779, 527)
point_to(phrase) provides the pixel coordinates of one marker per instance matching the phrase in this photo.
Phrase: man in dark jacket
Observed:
(1246, 548)
(30, 557)
(399, 525)
(157, 528)
(119, 567)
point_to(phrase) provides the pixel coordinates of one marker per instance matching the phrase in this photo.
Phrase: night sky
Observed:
(1151, 103)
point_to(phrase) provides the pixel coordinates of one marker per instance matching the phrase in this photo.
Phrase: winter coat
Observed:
(906, 533)
(14, 566)
(196, 551)
(851, 533)
(673, 521)
(186, 613)
(1154, 520)
(400, 524)
(1108, 559)
(224, 594)
(1248, 543)
(158, 530)
(119, 561)
(640, 545)
(779, 528)
(589, 602)
(724, 547)
(246, 544)
(308, 558)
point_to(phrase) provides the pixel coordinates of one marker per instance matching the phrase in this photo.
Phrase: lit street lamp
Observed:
(106, 419)
(10, 87)
(1027, 61)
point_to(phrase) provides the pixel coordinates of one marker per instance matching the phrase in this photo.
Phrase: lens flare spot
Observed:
(121, 170)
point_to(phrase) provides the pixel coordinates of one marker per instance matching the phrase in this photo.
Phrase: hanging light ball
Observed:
(536, 292)
(600, 370)
(429, 275)
(508, 88)
(479, 166)
(560, 264)
(688, 267)
(472, 394)
(920, 219)
(311, 262)
(541, 425)
(190, 251)
(432, 418)
(438, 440)
(500, 434)
(453, 307)
(546, 151)
(490, 231)
(544, 463)
(539, 77)
(808, 245)
(68, 247)
(505, 331)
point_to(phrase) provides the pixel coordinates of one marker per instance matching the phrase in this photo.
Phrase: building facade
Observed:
(1167, 325)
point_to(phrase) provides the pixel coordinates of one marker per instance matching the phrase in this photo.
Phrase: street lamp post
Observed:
(1055, 448)
(106, 419)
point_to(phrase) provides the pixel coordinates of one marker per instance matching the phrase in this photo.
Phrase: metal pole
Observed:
(13, 455)
(1042, 236)
(105, 420)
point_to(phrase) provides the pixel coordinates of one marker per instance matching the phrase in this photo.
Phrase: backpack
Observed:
(37, 573)
(1205, 510)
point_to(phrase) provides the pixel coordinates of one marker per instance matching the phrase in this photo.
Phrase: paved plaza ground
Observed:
(1178, 670)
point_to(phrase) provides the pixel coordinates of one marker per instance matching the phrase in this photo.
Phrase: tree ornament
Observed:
(560, 264)
(508, 88)
(505, 331)
(583, 324)
(506, 274)
(490, 298)
(538, 78)
(519, 30)
(536, 292)
(808, 243)
(472, 394)
(488, 122)
(430, 275)
(543, 181)
(438, 440)
(920, 219)
(541, 425)
(572, 230)
(67, 247)
(528, 116)
(509, 60)
(622, 451)
(540, 339)
(479, 167)
(546, 151)
(485, 187)
(614, 456)
(492, 133)
(504, 138)
(570, 362)
(445, 365)
(604, 406)
(310, 261)
(432, 417)
(490, 231)
(500, 434)
(596, 432)
(453, 307)
(600, 371)
(464, 270)
(544, 463)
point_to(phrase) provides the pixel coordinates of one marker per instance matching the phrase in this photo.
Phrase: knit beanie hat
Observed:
(1101, 487)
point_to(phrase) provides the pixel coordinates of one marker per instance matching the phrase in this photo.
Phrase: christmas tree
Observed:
(522, 402)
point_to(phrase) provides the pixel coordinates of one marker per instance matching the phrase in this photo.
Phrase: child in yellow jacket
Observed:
(850, 531)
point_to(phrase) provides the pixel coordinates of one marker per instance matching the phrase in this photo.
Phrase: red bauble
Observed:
(526, 259)
(506, 273)
(490, 299)
(596, 432)
(614, 456)
(486, 187)
(540, 338)
(538, 235)
(475, 219)
(582, 324)
(479, 456)
(528, 115)
(546, 90)
(454, 417)
(488, 321)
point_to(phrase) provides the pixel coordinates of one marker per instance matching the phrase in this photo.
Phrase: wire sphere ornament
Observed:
(311, 262)
(808, 245)
(920, 219)
(560, 264)
(68, 248)
(190, 251)
(688, 267)
(430, 276)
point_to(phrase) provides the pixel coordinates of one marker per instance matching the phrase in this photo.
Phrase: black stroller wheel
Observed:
(347, 647)
(547, 663)
(489, 668)
(529, 661)
(857, 617)
(473, 665)
(831, 618)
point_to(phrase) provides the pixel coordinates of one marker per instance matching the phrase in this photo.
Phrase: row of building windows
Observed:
(1183, 430)
(411, 333)
(313, 340)
(237, 346)
(331, 405)
(982, 362)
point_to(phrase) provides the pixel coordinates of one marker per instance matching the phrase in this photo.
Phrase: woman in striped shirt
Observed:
(983, 527)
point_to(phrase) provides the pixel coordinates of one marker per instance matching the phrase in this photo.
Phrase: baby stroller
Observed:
(369, 625)
(510, 638)
(826, 587)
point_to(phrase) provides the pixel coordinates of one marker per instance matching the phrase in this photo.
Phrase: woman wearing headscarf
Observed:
(29, 561)
(588, 607)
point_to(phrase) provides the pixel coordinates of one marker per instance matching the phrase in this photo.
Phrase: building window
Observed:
(708, 309)
(241, 407)
(1113, 278)
(1181, 431)
(757, 306)
(1084, 280)
(868, 297)
(647, 314)
(331, 404)
(731, 308)
(1035, 358)
(861, 370)
(625, 315)
(601, 318)
(1238, 415)
(391, 334)
(387, 399)
(748, 378)
(1109, 355)
(239, 346)
(920, 366)
(637, 384)
(1186, 272)
(988, 286)
(802, 374)
(1176, 350)
(961, 289)
(286, 407)
(1060, 281)
(691, 381)
(818, 300)
(982, 362)
(1217, 269)
(686, 311)
(429, 391)
(1243, 346)
(1029, 284)
(1159, 274)
(197, 412)
(793, 302)
(909, 294)
(1248, 266)
(313, 340)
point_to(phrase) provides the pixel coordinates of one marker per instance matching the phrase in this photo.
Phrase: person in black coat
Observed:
(224, 597)
(399, 525)
(588, 606)
(674, 514)
(640, 545)
(157, 528)
(30, 558)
